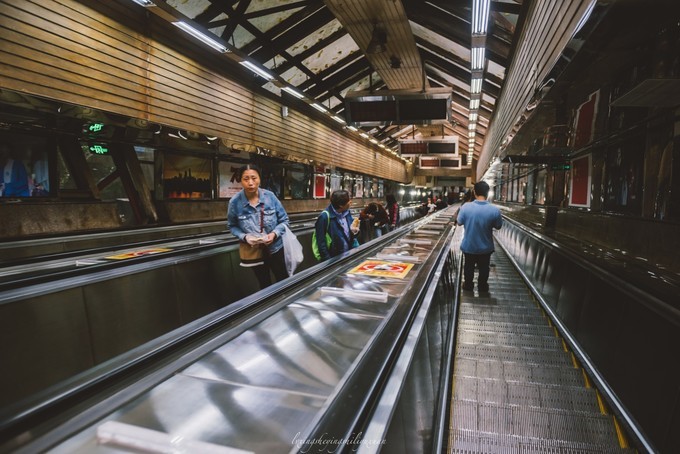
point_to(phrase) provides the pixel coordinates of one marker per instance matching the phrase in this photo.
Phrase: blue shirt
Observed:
(479, 218)
(244, 218)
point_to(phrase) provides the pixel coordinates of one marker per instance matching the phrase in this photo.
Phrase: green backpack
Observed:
(315, 247)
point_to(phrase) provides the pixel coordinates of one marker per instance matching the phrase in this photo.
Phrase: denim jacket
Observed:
(340, 242)
(243, 218)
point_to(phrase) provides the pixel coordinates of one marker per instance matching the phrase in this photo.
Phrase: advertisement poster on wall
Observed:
(319, 186)
(580, 182)
(27, 167)
(228, 178)
(336, 182)
(186, 177)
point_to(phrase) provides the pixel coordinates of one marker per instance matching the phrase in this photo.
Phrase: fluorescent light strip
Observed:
(201, 36)
(364, 135)
(480, 16)
(477, 58)
(474, 104)
(472, 126)
(293, 92)
(473, 117)
(144, 3)
(476, 86)
(319, 107)
(338, 119)
(352, 128)
(257, 70)
(471, 134)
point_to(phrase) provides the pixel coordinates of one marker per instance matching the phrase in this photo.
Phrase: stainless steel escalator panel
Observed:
(392, 286)
(244, 417)
(303, 351)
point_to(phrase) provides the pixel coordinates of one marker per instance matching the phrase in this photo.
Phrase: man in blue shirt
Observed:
(479, 218)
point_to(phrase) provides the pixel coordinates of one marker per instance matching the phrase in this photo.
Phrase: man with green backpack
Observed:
(335, 230)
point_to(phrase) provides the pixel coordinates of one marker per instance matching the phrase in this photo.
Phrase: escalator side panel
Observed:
(43, 340)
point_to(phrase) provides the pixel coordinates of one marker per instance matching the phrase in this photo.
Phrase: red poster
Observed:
(319, 186)
(584, 127)
(580, 182)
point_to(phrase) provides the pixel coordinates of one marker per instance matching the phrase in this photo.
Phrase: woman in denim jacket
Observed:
(256, 217)
(338, 222)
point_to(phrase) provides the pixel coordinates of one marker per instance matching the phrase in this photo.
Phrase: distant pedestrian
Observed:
(479, 217)
(375, 217)
(337, 222)
(466, 198)
(392, 212)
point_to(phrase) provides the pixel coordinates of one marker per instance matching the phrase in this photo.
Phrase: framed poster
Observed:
(580, 182)
(186, 177)
(229, 185)
(319, 186)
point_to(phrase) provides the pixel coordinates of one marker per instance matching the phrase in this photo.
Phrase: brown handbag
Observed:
(253, 255)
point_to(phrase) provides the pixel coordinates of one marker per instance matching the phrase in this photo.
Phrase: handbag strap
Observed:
(262, 218)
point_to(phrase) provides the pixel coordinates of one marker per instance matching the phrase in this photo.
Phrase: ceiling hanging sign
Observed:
(390, 107)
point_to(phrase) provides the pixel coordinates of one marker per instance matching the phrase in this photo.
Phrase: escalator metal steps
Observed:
(471, 442)
(516, 388)
(535, 426)
(501, 392)
(509, 371)
(534, 357)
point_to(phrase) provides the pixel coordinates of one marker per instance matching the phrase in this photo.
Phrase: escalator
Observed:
(517, 387)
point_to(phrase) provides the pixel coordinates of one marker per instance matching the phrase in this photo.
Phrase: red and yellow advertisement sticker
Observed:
(382, 268)
(135, 254)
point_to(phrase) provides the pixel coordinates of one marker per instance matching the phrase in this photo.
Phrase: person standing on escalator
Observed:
(479, 218)
(257, 218)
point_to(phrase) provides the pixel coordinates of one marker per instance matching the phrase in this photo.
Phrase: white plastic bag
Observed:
(292, 251)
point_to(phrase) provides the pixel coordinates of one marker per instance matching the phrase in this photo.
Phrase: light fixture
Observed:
(474, 104)
(477, 58)
(201, 36)
(319, 107)
(473, 116)
(364, 135)
(480, 16)
(293, 92)
(144, 3)
(476, 86)
(472, 127)
(257, 70)
(378, 43)
(352, 128)
(339, 119)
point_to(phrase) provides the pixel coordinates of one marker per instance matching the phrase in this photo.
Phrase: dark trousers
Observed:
(276, 263)
(482, 261)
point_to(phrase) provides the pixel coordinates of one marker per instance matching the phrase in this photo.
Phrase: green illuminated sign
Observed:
(95, 127)
(566, 166)
(99, 149)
